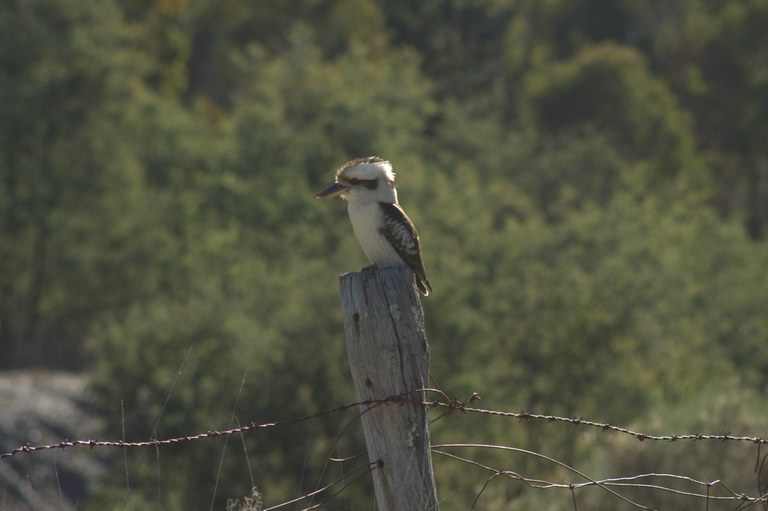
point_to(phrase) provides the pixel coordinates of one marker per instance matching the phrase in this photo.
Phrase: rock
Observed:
(40, 408)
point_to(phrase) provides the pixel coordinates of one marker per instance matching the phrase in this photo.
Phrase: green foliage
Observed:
(458, 68)
(609, 90)
(353, 104)
(197, 353)
(711, 54)
(157, 166)
(246, 244)
(67, 176)
(728, 407)
(604, 314)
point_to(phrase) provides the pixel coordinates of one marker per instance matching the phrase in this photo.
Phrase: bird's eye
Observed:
(370, 184)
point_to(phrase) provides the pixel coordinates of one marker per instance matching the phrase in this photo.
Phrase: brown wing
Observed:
(400, 232)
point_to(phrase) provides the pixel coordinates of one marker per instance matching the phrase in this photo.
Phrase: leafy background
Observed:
(589, 179)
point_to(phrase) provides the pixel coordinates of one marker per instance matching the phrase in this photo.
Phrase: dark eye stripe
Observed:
(371, 184)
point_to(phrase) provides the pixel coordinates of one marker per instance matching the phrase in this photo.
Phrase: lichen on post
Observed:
(389, 356)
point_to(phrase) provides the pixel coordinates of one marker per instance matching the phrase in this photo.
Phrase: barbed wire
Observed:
(447, 404)
(199, 436)
(523, 415)
(606, 484)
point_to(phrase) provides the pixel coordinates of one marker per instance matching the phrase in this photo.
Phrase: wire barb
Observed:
(447, 406)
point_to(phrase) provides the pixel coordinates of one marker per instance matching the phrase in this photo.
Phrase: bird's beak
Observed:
(332, 191)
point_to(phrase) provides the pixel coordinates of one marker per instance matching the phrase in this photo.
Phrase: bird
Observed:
(385, 233)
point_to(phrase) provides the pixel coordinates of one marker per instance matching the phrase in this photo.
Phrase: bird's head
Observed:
(368, 179)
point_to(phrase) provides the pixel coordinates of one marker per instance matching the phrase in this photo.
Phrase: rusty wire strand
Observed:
(437, 448)
(578, 421)
(621, 482)
(450, 405)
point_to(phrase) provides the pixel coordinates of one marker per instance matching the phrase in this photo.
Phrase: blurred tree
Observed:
(69, 183)
(713, 55)
(722, 408)
(608, 89)
(569, 27)
(707, 53)
(195, 44)
(461, 49)
(248, 346)
(607, 313)
(248, 247)
(157, 165)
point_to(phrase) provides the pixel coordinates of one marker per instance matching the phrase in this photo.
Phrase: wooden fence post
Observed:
(389, 356)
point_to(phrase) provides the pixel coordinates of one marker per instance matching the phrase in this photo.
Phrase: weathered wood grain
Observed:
(389, 356)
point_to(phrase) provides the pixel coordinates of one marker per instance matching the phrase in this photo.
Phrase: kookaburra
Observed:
(384, 231)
